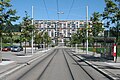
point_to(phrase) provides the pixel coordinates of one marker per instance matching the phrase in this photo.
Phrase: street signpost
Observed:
(114, 52)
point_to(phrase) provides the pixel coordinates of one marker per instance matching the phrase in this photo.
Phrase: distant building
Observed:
(60, 30)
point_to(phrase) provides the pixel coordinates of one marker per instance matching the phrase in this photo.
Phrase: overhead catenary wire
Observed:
(70, 9)
(57, 9)
(46, 9)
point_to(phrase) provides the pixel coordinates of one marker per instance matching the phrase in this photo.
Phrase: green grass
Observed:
(5, 44)
(98, 50)
(118, 52)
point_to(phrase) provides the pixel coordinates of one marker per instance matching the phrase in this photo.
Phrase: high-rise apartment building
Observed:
(61, 30)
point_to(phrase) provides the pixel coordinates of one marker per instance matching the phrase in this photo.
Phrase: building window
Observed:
(52, 34)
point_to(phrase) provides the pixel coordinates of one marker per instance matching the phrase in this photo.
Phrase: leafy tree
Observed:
(38, 38)
(78, 37)
(111, 15)
(46, 39)
(74, 39)
(7, 16)
(27, 29)
(109, 12)
(83, 36)
(96, 26)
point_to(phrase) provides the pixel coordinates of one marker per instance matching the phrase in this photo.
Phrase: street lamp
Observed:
(117, 34)
(60, 12)
(32, 30)
(56, 30)
(87, 29)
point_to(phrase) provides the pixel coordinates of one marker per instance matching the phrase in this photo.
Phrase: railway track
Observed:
(37, 73)
(80, 67)
(73, 56)
(26, 69)
(67, 60)
(60, 64)
(65, 66)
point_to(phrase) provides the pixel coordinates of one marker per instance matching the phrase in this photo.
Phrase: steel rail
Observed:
(47, 65)
(81, 66)
(36, 64)
(95, 68)
(68, 65)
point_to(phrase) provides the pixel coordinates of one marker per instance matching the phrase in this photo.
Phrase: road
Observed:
(13, 56)
(58, 64)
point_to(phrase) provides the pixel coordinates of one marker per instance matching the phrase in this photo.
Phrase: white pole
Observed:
(1, 51)
(76, 47)
(32, 31)
(87, 29)
(1, 43)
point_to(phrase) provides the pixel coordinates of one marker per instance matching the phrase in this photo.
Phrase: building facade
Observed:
(60, 31)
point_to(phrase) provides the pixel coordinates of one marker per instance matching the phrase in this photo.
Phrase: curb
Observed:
(100, 70)
(11, 65)
(3, 76)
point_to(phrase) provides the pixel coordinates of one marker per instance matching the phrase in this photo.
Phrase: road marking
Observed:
(26, 56)
(113, 63)
(6, 62)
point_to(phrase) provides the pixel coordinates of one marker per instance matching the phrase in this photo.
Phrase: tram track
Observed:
(51, 68)
(71, 55)
(68, 65)
(81, 66)
(59, 64)
(20, 73)
(50, 62)
(50, 56)
(46, 66)
(69, 71)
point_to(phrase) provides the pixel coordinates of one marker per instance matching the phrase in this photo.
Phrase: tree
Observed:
(7, 16)
(38, 38)
(111, 15)
(96, 26)
(27, 29)
(46, 39)
(83, 36)
(78, 37)
(74, 39)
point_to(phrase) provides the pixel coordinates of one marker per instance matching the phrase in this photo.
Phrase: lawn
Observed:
(5, 44)
(99, 50)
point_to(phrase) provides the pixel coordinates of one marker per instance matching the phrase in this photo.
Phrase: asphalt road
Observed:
(13, 56)
(79, 73)
(58, 69)
(59, 65)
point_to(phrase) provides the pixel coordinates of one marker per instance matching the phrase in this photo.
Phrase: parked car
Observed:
(21, 48)
(15, 49)
(11, 47)
(6, 48)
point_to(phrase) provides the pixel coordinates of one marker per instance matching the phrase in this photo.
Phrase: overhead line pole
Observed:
(87, 29)
(117, 35)
(56, 30)
(70, 9)
(32, 30)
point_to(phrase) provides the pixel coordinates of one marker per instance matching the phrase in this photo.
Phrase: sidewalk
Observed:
(16, 60)
(107, 67)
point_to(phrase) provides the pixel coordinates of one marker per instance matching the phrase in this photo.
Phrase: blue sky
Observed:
(78, 11)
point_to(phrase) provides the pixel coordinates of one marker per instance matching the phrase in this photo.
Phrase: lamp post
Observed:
(118, 24)
(32, 31)
(1, 35)
(56, 30)
(87, 29)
